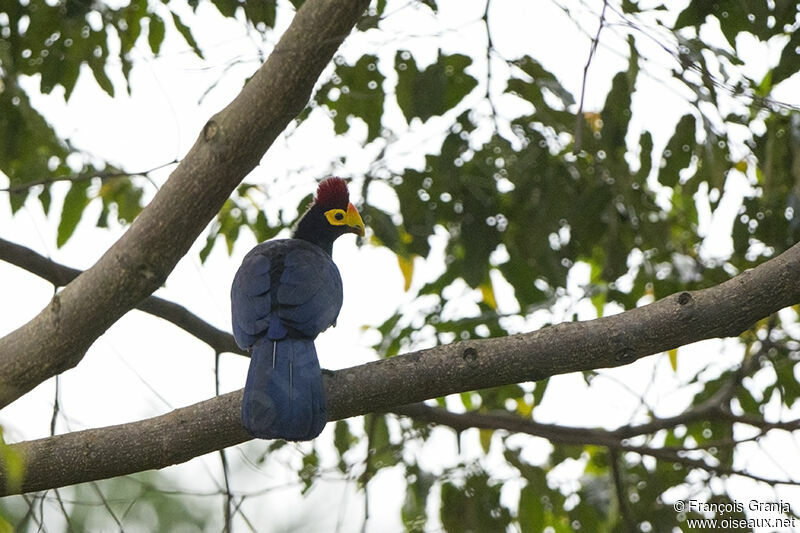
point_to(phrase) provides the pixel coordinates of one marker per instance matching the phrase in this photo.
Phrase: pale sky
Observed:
(143, 366)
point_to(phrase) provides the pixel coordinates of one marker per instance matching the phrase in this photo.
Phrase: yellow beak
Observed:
(353, 220)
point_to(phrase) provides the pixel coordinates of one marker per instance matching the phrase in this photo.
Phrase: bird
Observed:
(284, 294)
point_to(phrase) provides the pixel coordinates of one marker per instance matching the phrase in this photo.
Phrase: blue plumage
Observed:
(285, 293)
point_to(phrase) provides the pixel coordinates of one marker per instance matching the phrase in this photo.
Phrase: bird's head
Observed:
(330, 215)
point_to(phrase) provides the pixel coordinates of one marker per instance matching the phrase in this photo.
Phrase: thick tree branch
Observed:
(724, 310)
(230, 145)
(59, 275)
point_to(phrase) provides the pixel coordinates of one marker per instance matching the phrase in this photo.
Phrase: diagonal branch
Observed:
(59, 275)
(231, 144)
(720, 311)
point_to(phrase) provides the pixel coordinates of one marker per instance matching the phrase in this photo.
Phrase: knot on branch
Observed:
(146, 271)
(210, 130)
(55, 309)
(687, 308)
(623, 348)
(469, 354)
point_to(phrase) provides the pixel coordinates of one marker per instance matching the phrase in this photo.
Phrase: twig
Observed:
(20, 187)
(579, 118)
(107, 505)
(489, 48)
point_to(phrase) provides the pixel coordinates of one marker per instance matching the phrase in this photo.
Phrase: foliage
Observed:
(138, 502)
(517, 200)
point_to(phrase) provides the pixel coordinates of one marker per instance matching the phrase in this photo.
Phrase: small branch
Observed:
(579, 119)
(489, 48)
(59, 275)
(566, 435)
(506, 421)
(21, 187)
(718, 470)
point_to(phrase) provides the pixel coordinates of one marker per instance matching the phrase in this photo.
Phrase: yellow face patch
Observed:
(336, 217)
(349, 218)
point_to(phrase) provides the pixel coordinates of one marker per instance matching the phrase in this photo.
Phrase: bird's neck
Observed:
(307, 230)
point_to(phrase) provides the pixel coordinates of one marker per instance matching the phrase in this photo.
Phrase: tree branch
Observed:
(59, 275)
(724, 310)
(229, 147)
(580, 436)
(86, 176)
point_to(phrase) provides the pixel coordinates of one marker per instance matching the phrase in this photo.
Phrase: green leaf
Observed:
(355, 91)
(124, 195)
(343, 440)
(227, 7)
(13, 465)
(132, 15)
(380, 448)
(544, 79)
(431, 4)
(309, 473)
(673, 359)
(418, 486)
(731, 14)
(155, 33)
(75, 202)
(45, 199)
(260, 12)
(485, 437)
(435, 90)
(184, 30)
(531, 511)
(211, 240)
(645, 157)
(542, 83)
(678, 153)
(616, 115)
(97, 60)
(474, 507)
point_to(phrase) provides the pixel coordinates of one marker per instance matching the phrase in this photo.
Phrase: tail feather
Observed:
(283, 395)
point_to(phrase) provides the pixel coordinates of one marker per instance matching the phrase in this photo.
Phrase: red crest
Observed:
(332, 192)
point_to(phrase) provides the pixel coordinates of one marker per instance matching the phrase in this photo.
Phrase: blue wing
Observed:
(284, 287)
(310, 291)
(251, 304)
(285, 293)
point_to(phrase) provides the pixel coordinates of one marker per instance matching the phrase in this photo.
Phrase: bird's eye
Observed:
(339, 216)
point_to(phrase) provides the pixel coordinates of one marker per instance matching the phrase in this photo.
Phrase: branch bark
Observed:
(230, 145)
(724, 310)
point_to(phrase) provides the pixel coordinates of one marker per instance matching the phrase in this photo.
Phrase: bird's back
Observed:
(284, 288)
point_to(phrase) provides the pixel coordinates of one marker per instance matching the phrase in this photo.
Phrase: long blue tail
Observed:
(283, 396)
